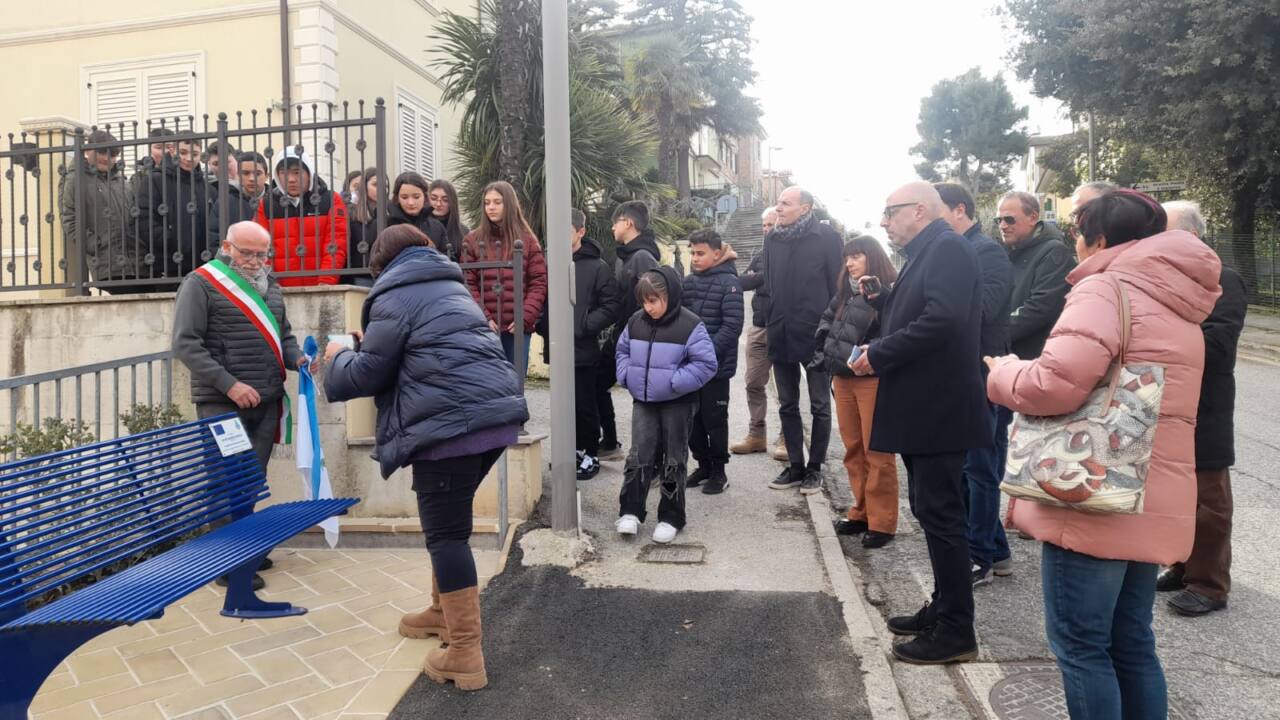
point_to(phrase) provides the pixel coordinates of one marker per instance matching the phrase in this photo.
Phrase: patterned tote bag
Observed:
(1096, 458)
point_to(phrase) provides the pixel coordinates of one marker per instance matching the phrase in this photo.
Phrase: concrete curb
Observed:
(883, 696)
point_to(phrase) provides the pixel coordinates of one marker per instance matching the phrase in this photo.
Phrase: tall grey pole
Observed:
(1092, 155)
(555, 92)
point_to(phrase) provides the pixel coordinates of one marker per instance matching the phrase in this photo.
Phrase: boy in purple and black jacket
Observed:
(664, 357)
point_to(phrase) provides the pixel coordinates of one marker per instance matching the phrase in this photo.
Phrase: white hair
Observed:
(1185, 215)
(767, 212)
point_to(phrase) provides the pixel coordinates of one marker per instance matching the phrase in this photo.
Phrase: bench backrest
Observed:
(65, 515)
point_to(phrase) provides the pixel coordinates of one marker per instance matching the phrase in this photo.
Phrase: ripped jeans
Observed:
(659, 449)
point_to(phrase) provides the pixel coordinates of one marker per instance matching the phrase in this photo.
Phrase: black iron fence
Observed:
(138, 209)
(1255, 261)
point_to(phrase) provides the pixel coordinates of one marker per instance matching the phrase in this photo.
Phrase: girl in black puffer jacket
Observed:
(448, 404)
(850, 322)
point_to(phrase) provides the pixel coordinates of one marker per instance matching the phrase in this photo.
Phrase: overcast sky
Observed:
(841, 83)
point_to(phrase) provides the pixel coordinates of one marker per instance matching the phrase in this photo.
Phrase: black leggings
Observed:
(445, 489)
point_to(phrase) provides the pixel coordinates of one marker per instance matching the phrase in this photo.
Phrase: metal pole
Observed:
(380, 160)
(80, 264)
(224, 192)
(555, 90)
(286, 83)
(1092, 157)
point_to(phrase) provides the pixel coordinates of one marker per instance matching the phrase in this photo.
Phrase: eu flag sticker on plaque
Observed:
(230, 436)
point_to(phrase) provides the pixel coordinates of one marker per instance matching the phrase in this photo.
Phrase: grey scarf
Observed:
(795, 229)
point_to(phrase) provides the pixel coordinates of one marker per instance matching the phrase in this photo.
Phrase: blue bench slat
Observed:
(146, 589)
(14, 468)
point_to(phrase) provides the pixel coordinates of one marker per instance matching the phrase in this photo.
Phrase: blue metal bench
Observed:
(65, 515)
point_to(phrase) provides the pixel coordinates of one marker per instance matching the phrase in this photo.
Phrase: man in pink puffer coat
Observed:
(1099, 570)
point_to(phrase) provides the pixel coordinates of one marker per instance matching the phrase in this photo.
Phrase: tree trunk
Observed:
(514, 27)
(682, 168)
(1244, 210)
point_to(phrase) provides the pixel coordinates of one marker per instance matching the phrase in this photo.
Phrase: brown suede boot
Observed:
(462, 661)
(749, 444)
(422, 625)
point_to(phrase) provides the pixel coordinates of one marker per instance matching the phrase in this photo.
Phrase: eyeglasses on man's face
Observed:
(249, 255)
(891, 210)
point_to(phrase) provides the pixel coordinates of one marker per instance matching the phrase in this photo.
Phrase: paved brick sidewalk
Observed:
(343, 659)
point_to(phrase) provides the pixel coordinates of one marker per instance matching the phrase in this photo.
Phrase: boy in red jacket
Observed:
(307, 222)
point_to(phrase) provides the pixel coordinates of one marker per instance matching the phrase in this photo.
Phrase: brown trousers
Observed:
(1208, 570)
(757, 379)
(873, 476)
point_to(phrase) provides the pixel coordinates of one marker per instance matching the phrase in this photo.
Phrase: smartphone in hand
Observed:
(870, 286)
(857, 353)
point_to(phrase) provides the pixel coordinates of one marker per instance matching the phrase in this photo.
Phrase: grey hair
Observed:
(1030, 205)
(771, 210)
(1101, 187)
(1185, 215)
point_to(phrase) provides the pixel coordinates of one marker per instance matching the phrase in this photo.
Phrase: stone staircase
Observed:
(743, 233)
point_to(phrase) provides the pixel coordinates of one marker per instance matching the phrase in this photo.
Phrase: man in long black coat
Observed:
(931, 407)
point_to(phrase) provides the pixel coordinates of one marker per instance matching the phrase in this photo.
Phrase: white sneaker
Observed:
(629, 525)
(664, 533)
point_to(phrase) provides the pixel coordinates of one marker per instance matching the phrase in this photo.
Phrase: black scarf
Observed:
(794, 230)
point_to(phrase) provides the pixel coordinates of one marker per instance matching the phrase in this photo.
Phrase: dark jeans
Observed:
(709, 434)
(1097, 614)
(787, 377)
(260, 424)
(983, 471)
(606, 377)
(509, 349)
(659, 449)
(586, 411)
(934, 487)
(445, 489)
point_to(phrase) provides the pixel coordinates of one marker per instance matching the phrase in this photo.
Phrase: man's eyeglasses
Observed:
(1006, 220)
(890, 210)
(262, 256)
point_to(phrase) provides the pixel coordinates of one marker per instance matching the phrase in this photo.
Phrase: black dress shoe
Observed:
(937, 649)
(1192, 604)
(845, 526)
(918, 624)
(1169, 580)
(873, 539)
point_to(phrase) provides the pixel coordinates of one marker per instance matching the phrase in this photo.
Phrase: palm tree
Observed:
(610, 144)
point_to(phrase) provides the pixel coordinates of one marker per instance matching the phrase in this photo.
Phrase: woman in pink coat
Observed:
(1098, 571)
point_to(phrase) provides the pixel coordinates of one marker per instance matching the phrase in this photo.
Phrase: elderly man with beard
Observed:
(231, 332)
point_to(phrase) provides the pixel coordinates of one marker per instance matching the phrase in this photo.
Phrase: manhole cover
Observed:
(1034, 692)
(683, 554)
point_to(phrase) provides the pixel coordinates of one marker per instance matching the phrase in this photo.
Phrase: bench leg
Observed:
(243, 602)
(29, 655)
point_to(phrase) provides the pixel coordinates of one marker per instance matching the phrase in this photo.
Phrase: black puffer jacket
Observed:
(173, 207)
(840, 330)
(754, 280)
(429, 359)
(423, 221)
(221, 346)
(715, 296)
(595, 302)
(633, 260)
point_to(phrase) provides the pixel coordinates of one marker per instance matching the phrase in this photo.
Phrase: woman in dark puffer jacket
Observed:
(851, 321)
(448, 404)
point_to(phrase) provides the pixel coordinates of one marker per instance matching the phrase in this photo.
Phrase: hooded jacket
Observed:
(800, 275)
(494, 289)
(110, 232)
(1040, 267)
(435, 369)
(1171, 280)
(595, 303)
(423, 221)
(665, 360)
(173, 208)
(715, 296)
(307, 232)
(633, 260)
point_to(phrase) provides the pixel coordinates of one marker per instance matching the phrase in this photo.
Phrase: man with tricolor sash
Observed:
(231, 332)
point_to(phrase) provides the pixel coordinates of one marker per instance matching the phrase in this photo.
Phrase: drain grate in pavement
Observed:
(1034, 692)
(681, 554)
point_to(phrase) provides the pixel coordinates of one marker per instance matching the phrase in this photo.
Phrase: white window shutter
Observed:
(408, 137)
(170, 94)
(417, 136)
(138, 91)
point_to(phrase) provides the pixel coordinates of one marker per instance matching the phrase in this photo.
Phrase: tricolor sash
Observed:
(241, 294)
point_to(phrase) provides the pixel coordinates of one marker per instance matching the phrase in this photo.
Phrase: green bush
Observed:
(141, 418)
(54, 435)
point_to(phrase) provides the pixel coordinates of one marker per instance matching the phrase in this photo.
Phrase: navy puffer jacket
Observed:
(429, 359)
(715, 296)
